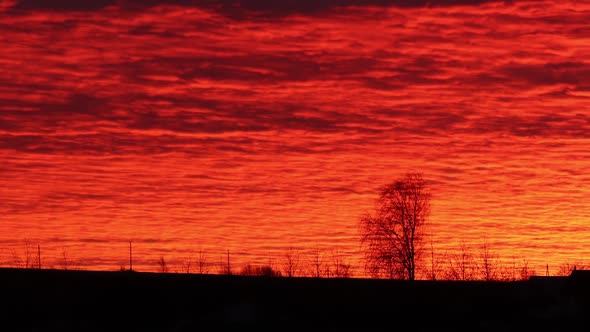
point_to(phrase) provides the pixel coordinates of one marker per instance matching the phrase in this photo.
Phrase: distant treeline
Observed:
(469, 262)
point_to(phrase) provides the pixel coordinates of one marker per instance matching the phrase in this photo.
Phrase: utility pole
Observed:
(228, 266)
(130, 257)
(39, 255)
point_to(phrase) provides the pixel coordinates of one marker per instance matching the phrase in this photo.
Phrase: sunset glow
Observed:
(256, 127)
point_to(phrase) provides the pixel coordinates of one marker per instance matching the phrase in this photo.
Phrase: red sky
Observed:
(260, 125)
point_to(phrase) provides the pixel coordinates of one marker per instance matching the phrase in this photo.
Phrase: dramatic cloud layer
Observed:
(257, 127)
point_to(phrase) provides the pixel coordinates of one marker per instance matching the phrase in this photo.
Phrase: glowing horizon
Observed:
(262, 127)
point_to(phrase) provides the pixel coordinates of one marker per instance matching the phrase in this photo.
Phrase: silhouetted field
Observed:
(52, 300)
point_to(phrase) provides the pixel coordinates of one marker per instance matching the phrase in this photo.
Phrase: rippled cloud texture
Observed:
(258, 125)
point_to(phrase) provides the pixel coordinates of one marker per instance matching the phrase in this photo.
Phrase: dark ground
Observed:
(51, 300)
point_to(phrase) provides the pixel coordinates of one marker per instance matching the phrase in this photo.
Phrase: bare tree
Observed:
(525, 271)
(28, 260)
(223, 269)
(187, 263)
(262, 271)
(513, 276)
(201, 263)
(435, 264)
(290, 265)
(461, 265)
(393, 234)
(162, 266)
(18, 262)
(488, 266)
(339, 268)
(316, 264)
(248, 270)
(66, 262)
(504, 272)
(567, 268)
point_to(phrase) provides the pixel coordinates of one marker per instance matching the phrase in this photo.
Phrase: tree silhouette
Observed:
(393, 234)
(202, 263)
(290, 264)
(316, 264)
(187, 263)
(462, 266)
(339, 268)
(488, 267)
(525, 271)
(162, 265)
(435, 268)
(28, 260)
(263, 271)
(67, 263)
(567, 268)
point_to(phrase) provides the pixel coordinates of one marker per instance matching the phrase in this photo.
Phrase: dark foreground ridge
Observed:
(51, 300)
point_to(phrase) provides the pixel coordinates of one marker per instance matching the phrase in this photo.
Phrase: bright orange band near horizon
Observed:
(263, 129)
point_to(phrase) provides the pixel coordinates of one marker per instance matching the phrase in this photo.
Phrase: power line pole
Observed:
(130, 257)
(39, 255)
(228, 266)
